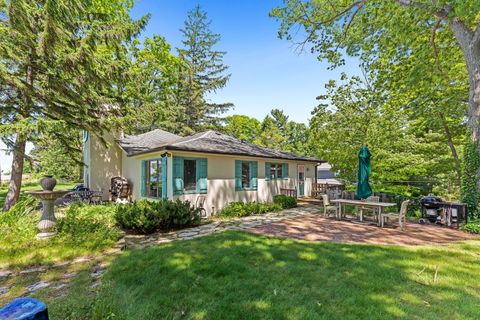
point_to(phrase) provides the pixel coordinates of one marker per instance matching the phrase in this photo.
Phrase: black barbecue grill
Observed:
(438, 211)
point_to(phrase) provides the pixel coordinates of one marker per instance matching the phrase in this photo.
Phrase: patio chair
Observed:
(328, 206)
(200, 204)
(402, 216)
(374, 211)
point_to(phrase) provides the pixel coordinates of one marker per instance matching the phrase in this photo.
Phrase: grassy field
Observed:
(237, 275)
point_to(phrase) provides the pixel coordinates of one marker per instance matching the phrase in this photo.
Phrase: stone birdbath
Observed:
(47, 196)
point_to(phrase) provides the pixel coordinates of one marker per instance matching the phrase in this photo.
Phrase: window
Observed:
(276, 171)
(190, 175)
(246, 174)
(153, 178)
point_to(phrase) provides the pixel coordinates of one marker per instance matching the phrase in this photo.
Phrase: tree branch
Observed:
(462, 33)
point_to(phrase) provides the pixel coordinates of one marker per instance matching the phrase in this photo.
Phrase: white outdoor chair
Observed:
(374, 211)
(328, 207)
(402, 216)
(200, 204)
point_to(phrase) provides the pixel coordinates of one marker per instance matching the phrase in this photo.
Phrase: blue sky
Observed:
(266, 72)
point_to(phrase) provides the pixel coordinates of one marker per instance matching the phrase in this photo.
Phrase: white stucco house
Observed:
(211, 165)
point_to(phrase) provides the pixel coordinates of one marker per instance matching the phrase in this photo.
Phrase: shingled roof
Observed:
(207, 142)
(146, 142)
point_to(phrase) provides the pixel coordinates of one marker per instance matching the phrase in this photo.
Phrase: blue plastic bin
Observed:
(24, 309)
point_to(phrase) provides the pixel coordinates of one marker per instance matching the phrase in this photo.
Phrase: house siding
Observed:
(221, 179)
(102, 163)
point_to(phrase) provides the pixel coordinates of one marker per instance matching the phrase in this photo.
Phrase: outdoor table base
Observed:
(378, 205)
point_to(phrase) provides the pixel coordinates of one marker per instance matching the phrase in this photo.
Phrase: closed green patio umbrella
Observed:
(363, 187)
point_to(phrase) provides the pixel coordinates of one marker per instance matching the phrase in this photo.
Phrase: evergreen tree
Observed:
(57, 62)
(205, 72)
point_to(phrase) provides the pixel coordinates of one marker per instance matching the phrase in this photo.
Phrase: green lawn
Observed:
(237, 275)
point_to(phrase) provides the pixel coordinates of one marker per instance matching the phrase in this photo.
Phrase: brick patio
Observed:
(314, 227)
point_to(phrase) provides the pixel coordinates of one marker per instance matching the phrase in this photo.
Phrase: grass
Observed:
(236, 275)
(82, 230)
(36, 186)
(70, 302)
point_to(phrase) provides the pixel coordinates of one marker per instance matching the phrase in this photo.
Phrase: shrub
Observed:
(472, 227)
(19, 225)
(148, 216)
(286, 202)
(83, 222)
(242, 209)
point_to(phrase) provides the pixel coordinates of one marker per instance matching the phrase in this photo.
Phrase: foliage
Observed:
(204, 72)
(82, 223)
(83, 230)
(277, 132)
(146, 216)
(18, 225)
(154, 76)
(58, 154)
(472, 227)
(353, 113)
(243, 209)
(286, 202)
(57, 64)
(471, 165)
(242, 127)
(414, 52)
(237, 275)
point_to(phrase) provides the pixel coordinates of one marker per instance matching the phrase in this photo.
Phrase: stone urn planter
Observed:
(48, 183)
(48, 197)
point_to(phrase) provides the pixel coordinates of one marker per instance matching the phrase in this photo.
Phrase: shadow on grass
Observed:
(237, 275)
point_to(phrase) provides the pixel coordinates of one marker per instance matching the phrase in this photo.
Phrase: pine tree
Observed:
(205, 72)
(57, 62)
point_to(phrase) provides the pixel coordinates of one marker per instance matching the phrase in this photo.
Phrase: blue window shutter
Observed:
(164, 177)
(253, 174)
(143, 180)
(267, 171)
(202, 168)
(285, 170)
(238, 174)
(177, 175)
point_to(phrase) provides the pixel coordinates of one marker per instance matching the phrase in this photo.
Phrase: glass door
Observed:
(301, 180)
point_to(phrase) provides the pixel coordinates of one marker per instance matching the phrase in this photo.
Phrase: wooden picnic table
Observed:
(362, 204)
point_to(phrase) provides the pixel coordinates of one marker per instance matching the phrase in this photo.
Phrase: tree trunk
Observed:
(17, 172)
(469, 42)
(451, 145)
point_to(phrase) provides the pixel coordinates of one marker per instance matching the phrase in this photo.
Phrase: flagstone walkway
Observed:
(244, 223)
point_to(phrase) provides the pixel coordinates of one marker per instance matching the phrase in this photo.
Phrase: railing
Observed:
(289, 192)
(324, 188)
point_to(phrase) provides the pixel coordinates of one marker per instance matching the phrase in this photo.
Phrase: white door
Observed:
(301, 180)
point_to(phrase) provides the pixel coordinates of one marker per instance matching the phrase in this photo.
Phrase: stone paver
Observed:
(112, 251)
(4, 290)
(38, 285)
(244, 223)
(315, 227)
